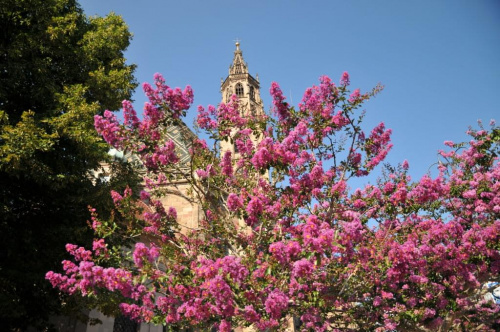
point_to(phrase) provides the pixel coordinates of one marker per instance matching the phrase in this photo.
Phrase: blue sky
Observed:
(439, 60)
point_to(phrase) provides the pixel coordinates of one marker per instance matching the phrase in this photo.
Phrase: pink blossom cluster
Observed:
(280, 107)
(165, 106)
(224, 119)
(344, 80)
(158, 218)
(163, 155)
(117, 198)
(99, 247)
(378, 146)
(108, 126)
(163, 96)
(86, 277)
(228, 265)
(320, 100)
(143, 254)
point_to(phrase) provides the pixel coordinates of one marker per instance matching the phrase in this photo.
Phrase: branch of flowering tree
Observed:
(281, 234)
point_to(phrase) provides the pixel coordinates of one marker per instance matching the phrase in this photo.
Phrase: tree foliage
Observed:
(282, 235)
(58, 68)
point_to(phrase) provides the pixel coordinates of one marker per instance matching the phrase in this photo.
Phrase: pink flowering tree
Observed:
(282, 234)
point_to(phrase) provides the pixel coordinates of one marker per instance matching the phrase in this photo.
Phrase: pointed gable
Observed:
(238, 66)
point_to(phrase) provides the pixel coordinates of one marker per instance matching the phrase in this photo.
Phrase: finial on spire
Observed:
(237, 44)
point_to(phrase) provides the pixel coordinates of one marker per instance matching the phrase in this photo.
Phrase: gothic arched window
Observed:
(239, 90)
(252, 93)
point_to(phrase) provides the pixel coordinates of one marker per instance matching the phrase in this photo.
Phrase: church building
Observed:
(238, 82)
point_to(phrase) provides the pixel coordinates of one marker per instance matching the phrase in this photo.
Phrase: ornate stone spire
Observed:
(239, 82)
(238, 66)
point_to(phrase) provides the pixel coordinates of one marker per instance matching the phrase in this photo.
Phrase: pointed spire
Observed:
(239, 65)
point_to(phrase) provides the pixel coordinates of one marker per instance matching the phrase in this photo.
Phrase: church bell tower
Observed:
(245, 86)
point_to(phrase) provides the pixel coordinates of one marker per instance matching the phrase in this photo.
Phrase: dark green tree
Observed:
(58, 68)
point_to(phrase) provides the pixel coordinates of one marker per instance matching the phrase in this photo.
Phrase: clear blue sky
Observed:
(439, 60)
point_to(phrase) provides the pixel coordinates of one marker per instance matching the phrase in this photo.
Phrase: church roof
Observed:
(183, 138)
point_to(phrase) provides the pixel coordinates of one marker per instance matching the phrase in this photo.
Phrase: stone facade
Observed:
(188, 213)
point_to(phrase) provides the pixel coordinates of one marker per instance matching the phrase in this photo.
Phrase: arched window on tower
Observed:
(239, 90)
(252, 93)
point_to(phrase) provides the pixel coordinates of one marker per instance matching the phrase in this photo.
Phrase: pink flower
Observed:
(254, 207)
(79, 253)
(449, 143)
(387, 295)
(129, 115)
(277, 249)
(225, 326)
(117, 198)
(344, 80)
(261, 158)
(429, 313)
(276, 303)
(302, 268)
(234, 202)
(145, 196)
(469, 193)
(202, 174)
(204, 120)
(108, 127)
(280, 107)
(99, 247)
(142, 254)
(355, 96)
(293, 248)
(227, 164)
(250, 314)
